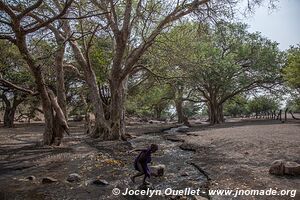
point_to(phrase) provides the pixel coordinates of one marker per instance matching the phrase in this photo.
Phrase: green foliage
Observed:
(291, 71)
(12, 66)
(149, 100)
(14, 70)
(232, 60)
(101, 56)
(262, 104)
(220, 61)
(294, 104)
(236, 106)
(191, 109)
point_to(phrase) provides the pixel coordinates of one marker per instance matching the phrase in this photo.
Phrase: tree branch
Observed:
(7, 9)
(177, 13)
(29, 9)
(13, 86)
(45, 23)
(9, 38)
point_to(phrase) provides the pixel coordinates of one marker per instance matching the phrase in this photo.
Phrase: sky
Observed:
(281, 24)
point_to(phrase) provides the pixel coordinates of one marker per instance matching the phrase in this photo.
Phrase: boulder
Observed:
(157, 170)
(281, 167)
(277, 167)
(74, 177)
(49, 180)
(100, 182)
(183, 129)
(292, 168)
(31, 178)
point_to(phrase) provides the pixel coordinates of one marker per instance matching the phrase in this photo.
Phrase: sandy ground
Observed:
(234, 154)
(238, 155)
(22, 156)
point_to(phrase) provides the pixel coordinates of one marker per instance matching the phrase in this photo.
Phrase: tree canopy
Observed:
(147, 58)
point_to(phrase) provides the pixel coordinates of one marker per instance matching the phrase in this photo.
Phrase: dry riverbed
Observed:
(233, 155)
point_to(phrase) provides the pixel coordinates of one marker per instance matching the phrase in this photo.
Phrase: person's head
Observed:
(153, 148)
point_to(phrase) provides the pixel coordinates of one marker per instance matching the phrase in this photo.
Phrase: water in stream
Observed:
(179, 174)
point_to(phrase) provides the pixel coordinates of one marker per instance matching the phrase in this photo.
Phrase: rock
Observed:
(182, 129)
(100, 182)
(281, 167)
(158, 170)
(188, 147)
(78, 118)
(145, 186)
(292, 168)
(127, 136)
(173, 138)
(277, 167)
(74, 177)
(184, 174)
(49, 180)
(143, 120)
(199, 198)
(31, 178)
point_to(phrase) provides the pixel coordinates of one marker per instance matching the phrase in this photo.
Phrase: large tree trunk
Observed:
(50, 106)
(60, 91)
(158, 112)
(117, 110)
(10, 109)
(111, 125)
(60, 80)
(215, 112)
(285, 114)
(9, 116)
(46, 105)
(101, 127)
(179, 110)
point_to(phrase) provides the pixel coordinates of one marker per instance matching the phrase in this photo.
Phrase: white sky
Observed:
(281, 25)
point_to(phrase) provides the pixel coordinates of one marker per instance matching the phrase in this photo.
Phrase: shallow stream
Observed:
(179, 173)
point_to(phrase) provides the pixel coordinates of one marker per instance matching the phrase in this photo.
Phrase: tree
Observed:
(12, 76)
(236, 106)
(262, 105)
(293, 105)
(134, 25)
(291, 71)
(18, 26)
(225, 60)
(164, 61)
(147, 96)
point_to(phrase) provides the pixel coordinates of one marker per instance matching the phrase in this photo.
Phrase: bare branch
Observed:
(29, 9)
(126, 23)
(7, 37)
(5, 22)
(47, 22)
(13, 86)
(7, 9)
(177, 13)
